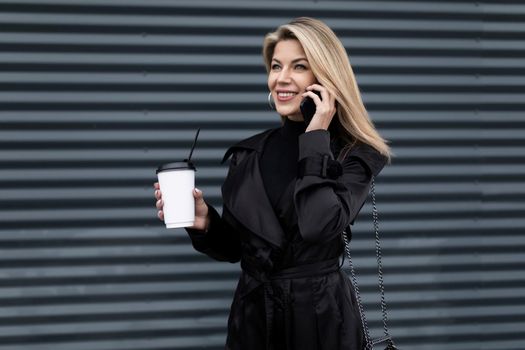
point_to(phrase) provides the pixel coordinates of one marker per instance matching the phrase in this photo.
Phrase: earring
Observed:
(270, 101)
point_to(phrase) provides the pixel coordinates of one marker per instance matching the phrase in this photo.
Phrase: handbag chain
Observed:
(369, 342)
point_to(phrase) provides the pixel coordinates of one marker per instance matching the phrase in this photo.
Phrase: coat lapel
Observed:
(244, 194)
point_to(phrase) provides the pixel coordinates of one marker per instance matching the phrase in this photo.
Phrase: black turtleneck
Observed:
(280, 158)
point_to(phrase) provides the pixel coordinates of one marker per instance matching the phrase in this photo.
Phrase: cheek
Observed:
(310, 79)
(271, 82)
(306, 81)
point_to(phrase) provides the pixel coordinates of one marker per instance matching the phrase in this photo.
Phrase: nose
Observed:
(284, 77)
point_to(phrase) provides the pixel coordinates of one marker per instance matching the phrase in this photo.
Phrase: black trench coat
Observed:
(291, 293)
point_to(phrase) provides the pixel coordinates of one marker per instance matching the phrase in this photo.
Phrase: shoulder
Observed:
(371, 158)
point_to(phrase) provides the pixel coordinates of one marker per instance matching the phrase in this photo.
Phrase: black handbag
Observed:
(386, 340)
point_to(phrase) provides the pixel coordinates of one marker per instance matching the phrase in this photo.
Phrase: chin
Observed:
(287, 111)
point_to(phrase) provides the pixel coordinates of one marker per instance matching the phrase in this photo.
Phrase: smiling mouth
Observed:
(286, 94)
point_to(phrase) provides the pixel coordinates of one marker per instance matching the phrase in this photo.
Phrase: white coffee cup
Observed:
(177, 181)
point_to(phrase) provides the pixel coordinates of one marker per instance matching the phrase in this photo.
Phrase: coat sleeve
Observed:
(221, 241)
(326, 206)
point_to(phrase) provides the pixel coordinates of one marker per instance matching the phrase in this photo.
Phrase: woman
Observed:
(286, 201)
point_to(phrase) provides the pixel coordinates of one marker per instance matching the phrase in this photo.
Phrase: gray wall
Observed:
(95, 94)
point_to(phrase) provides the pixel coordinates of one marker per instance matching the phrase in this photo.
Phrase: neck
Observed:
(293, 127)
(295, 118)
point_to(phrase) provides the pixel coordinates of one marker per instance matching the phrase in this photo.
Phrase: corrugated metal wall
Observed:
(95, 94)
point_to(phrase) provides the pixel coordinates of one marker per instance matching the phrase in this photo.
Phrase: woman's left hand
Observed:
(325, 107)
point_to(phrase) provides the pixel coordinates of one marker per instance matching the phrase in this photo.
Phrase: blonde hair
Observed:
(331, 67)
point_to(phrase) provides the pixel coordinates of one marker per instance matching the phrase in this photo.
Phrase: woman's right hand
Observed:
(202, 220)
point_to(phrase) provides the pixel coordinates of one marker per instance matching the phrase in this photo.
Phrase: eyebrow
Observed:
(296, 60)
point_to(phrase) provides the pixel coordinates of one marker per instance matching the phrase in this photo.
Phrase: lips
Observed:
(284, 96)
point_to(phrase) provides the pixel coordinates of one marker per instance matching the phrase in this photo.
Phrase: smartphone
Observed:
(308, 108)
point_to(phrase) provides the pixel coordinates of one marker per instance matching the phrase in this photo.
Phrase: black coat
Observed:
(291, 293)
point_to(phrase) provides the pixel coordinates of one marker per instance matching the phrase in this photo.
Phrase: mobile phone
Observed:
(308, 108)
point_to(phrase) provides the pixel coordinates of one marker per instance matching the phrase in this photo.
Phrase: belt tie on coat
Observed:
(283, 299)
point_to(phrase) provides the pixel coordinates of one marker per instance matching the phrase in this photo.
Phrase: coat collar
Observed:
(245, 196)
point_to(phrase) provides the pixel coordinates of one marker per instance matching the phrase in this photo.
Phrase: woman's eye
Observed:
(275, 66)
(300, 66)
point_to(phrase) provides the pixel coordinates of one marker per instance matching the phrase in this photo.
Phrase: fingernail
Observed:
(198, 191)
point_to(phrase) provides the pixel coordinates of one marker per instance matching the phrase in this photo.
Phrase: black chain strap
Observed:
(386, 338)
(379, 256)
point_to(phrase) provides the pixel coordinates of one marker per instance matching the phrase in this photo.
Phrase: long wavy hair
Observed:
(331, 67)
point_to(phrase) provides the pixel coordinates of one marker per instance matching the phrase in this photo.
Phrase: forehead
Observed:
(288, 50)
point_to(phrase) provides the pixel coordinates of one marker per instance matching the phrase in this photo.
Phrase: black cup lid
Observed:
(184, 165)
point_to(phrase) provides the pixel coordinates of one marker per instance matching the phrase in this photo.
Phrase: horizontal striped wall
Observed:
(95, 94)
